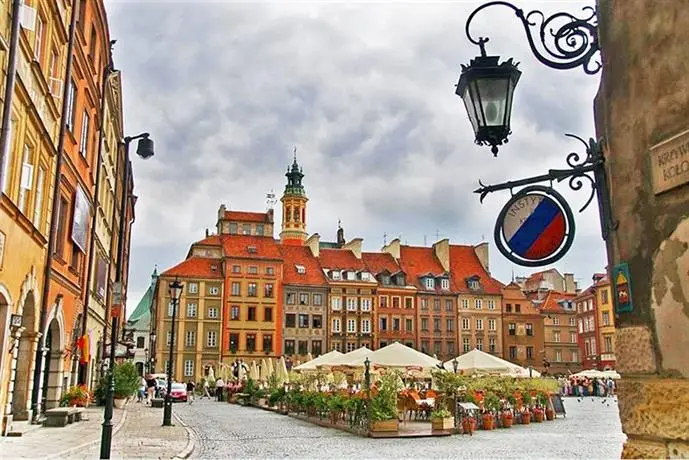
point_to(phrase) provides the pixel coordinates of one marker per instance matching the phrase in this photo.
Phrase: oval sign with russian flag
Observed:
(535, 228)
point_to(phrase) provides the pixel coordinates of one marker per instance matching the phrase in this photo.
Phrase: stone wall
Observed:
(643, 100)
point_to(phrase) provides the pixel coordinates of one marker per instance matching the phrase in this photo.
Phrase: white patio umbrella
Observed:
(253, 371)
(479, 362)
(211, 374)
(282, 370)
(269, 370)
(349, 359)
(241, 373)
(263, 371)
(321, 360)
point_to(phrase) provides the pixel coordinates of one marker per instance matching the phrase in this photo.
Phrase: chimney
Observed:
(207, 233)
(570, 285)
(442, 252)
(355, 247)
(313, 243)
(481, 251)
(221, 217)
(393, 248)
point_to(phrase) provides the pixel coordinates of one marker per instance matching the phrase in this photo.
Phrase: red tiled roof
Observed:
(513, 292)
(551, 303)
(464, 263)
(418, 261)
(238, 246)
(212, 240)
(378, 262)
(301, 255)
(245, 216)
(342, 259)
(196, 267)
(588, 292)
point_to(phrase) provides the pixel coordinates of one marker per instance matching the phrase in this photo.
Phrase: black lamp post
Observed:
(175, 291)
(367, 373)
(455, 364)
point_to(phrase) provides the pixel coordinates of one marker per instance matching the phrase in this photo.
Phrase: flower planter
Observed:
(385, 426)
(120, 402)
(262, 402)
(468, 426)
(488, 421)
(443, 424)
(507, 420)
(549, 414)
(538, 416)
(526, 418)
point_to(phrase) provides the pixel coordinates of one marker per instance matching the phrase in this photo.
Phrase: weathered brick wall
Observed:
(643, 100)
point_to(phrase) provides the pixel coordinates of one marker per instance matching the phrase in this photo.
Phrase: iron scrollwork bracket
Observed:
(567, 41)
(590, 168)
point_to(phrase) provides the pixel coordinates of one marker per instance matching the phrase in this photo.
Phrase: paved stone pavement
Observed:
(591, 430)
(140, 436)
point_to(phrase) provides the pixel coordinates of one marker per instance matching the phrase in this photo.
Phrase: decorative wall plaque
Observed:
(670, 163)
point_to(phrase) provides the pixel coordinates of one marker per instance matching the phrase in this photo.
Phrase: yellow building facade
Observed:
(606, 324)
(27, 185)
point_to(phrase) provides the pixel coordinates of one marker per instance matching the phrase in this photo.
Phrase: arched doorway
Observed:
(140, 368)
(23, 378)
(52, 366)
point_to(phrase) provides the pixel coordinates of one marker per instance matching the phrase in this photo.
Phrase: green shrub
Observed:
(126, 379)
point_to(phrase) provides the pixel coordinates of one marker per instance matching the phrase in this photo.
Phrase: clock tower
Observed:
(294, 207)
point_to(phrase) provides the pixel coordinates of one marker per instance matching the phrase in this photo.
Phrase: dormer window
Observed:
(430, 283)
(400, 280)
(351, 276)
(385, 279)
(445, 283)
(336, 275)
(251, 249)
(473, 283)
(214, 268)
(300, 269)
(365, 276)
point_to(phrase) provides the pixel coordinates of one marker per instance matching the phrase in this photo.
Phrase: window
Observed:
(236, 269)
(410, 344)
(268, 290)
(316, 347)
(466, 344)
(267, 342)
(76, 258)
(508, 308)
(213, 290)
(556, 321)
(395, 302)
(572, 322)
(445, 283)
(436, 324)
(336, 325)
(303, 299)
(604, 296)
(436, 304)
(491, 305)
(253, 270)
(190, 339)
(479, 343)
(26, 184)
(512, 328)
(84, 143)
(252, 290)
(558, 356)
(170, 310)
(71, 104)
(529, 329)
(336, 303)
(318, 299)
(581, 326)
(479, 324)
(424, 304)
(593, 347)
(259, 229)
(449, 305)
(465, 303)
(424, 324)
(408, 302)
(556, 336)
(233, 228)
(529, 352)
(191, 310)
(608, 344)
(351, 325)
(383, 324)
(430, 283)
(300, 269)
(351, 303)
(303, 320)
(213, 312)
(572, 337)
(61, 227)
(383, 301)
(188, 368)
(268, 314)
(212, 339)
(192, 288)
(234, 342)
(366, 326)
(140, 342)
(290, 320)
(606, 318)
(513, 352)
(365, 304)
(303, 347)
(437, 347)
(246, 229)
(38, 204)
(291, 298)
(491, 324)
(251, 314)
(450, 325)
(466, 324)
(38, 45)
(478, 304)
(289, 347)
(236, 288)
(492, 347)
(350, 347)
(235, 312)
(517, 308)
(251, 342)
(451, 348)
(270, 270)
(408, 324)
(317, 321)
(396, 324)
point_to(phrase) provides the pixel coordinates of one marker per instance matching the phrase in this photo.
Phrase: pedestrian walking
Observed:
(142, 390)
(219, 387)
(206, 386)
(151, 384)
(191, 386)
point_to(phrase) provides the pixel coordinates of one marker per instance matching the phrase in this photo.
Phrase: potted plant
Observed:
(491, 404)
(383, 405)
(549, 411)
(442, 419)
(126, 382)
(77, 396)
(507, 417)
(526, 410)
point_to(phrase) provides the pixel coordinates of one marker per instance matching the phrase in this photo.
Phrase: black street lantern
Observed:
(487, 89)
(455, 365)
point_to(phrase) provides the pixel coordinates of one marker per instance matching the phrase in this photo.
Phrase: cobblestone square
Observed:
(591, 430)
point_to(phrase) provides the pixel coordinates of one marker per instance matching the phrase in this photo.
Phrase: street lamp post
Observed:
(175, 291)
(487, 89)
(455, 364)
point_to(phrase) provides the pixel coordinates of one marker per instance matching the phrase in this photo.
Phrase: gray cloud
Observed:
(366, 92)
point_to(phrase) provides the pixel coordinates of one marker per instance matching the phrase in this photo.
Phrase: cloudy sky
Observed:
(366, 93)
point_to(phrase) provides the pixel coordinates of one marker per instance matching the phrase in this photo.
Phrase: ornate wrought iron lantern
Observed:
(487, 89)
